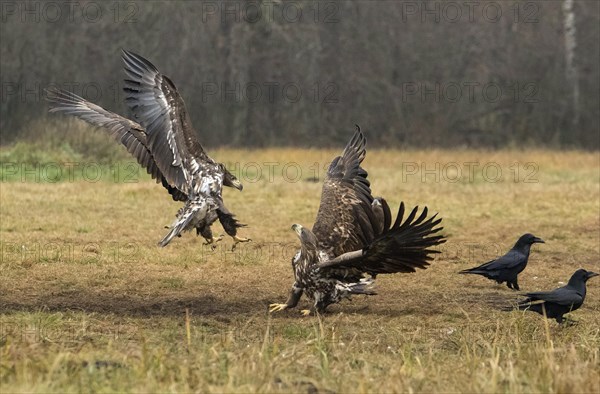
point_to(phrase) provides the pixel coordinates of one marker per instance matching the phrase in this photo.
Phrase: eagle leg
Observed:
(212, 241)
(305, 312)
(206, 232)
(237, 240)
(291, 302)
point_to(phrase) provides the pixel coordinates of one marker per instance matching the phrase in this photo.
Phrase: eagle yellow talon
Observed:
(305, 312)
(237, 240)
(277, 307)
(212, 241)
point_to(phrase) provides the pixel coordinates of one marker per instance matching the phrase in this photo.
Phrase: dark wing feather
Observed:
(345, 220)
(402, 248)
(383, 214)
(510, 260)
(561, 296)
(160, 109)
(125, 131)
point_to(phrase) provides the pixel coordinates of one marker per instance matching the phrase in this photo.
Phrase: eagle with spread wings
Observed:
(164, 142)
(353, 239)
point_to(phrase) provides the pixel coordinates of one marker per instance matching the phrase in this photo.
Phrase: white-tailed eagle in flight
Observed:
(164, 142)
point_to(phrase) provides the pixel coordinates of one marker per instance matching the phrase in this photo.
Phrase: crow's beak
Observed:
(538, 240)
(591, 274)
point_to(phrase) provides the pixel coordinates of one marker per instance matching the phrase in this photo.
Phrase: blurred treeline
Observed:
(258, 73)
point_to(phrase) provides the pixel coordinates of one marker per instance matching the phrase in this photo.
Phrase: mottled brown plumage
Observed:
(345, 220)
(164, 142)
(353, 239)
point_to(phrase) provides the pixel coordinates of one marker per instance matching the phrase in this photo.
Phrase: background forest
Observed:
(301, 73)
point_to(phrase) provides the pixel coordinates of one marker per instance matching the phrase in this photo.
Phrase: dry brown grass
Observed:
(89, 303)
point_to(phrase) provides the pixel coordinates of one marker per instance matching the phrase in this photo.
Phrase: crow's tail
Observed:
(476, 271)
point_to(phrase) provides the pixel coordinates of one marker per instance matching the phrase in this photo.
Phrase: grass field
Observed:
(89, 303)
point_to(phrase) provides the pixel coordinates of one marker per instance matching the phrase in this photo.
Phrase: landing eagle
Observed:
(164, 142)
(353, 239)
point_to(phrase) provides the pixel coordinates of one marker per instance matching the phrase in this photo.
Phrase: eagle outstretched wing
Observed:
(131, 134)
(345, 220)
(160, 109)
(402, 248)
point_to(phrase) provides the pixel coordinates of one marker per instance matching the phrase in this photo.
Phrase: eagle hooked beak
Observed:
(237, 184)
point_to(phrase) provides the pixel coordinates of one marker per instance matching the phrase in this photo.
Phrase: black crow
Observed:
(507, 267)
(557, 302)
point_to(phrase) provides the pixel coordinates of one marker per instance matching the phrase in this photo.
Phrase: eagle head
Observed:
(308, 240)
(229, 179)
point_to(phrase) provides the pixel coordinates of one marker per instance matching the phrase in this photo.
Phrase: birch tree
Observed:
(570, 65)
